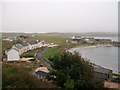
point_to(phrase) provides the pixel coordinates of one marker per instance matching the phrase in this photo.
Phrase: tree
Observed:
(69, 83)
(72, 71)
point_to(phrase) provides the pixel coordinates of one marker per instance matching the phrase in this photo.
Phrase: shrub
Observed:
(17, 76)
(72, 71)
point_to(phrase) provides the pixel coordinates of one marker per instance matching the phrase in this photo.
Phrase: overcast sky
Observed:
(62, 16)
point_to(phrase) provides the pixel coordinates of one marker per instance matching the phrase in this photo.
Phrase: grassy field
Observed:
(52, 52)
(56, 40)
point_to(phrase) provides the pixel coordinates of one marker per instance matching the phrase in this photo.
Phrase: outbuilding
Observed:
(103, 73)
(42, 72)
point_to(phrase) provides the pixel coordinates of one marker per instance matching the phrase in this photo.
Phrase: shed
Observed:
(42, 72)
(103, 73)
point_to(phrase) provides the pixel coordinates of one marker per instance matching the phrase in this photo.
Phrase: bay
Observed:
(104, 56)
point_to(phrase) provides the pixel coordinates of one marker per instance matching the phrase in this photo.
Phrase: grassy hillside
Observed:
(57, 34)
(57, 40)
(18, 76)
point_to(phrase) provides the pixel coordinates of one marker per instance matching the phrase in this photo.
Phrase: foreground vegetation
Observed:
(18, 76)
(116, 78)
(72, 71)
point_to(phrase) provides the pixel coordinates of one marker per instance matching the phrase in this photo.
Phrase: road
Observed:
(42, 60)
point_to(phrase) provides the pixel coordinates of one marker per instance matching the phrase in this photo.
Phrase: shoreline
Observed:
(97, 45)
(93, 46)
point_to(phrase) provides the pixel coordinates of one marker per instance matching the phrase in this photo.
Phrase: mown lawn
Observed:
(52, 52)
(57, 50)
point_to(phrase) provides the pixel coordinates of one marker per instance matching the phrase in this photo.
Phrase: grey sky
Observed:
(61, 16)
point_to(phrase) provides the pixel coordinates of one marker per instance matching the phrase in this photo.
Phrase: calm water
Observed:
(104, 56)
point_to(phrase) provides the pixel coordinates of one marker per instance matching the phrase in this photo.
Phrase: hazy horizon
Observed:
(62, 17)
(58, 32)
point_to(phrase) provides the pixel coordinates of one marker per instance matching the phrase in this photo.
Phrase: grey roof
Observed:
(13, 38)
(18, 46)
(101, 69)
(33, 42)
(25, 44)
(87, 38)
(76, 37)
(12, 49)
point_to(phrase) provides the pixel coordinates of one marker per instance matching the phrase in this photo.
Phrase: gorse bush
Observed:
(17, 76)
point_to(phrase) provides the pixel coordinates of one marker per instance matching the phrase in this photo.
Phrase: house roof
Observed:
(101, 69)
(18, 46)
(25, 44)
(43, 69)
(12, 49)
(33, 42)
(13, 38)
(76, 37)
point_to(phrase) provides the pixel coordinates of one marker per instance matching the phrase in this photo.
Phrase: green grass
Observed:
(52, 52)
(56, 40)
(12, 70)
(57, 50)
(117, 75)
(62, 46)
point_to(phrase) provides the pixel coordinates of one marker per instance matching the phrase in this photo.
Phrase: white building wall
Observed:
(40, 44)
(13, 55)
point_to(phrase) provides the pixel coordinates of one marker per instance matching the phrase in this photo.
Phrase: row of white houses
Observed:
(14, 53)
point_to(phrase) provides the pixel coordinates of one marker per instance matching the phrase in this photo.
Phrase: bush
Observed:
(72, 71)
(17, 76)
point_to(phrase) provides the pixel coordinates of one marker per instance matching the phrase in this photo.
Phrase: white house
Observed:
(13, 55)
(52, 45)
(75, 39)
(26, 46)
(40, 44)
(33, 45)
